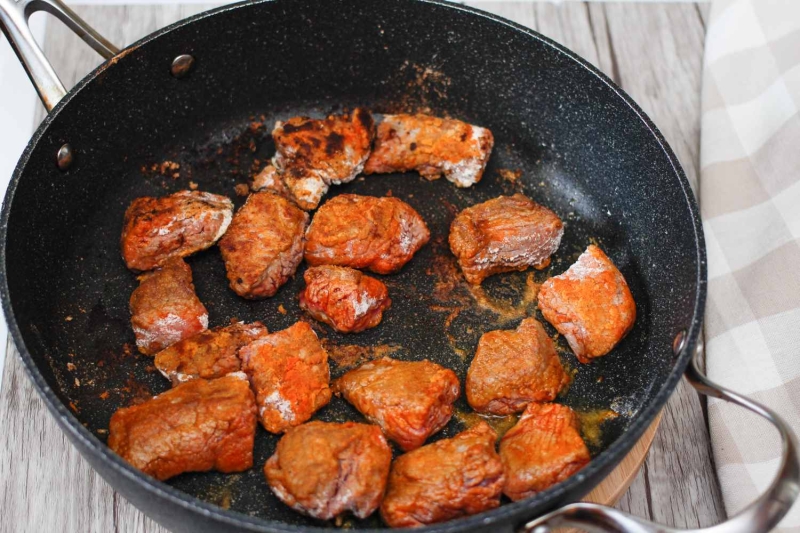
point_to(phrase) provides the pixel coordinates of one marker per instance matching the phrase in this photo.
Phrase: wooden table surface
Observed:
(653, 51)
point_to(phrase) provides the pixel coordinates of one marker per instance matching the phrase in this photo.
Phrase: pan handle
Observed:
(14, 15)
(761, 515)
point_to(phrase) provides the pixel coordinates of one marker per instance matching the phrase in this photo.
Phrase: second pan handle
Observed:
(14, 15)
(761, 515)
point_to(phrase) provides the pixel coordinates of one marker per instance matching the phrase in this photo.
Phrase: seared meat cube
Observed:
(209, 354)
(448, 479)
(289, 374)
(312, 154)
(269, 180)
(344, 298)
(542, 449)
(158, 229)
(432, 146)
(590, 304)
(409, 400)
(514, 368)
(324, 469)
(263, 245)
(165, 309)
(379, 234)
(197, 426)
(502, 235)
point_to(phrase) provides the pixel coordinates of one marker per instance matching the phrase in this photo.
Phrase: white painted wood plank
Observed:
(653, 51)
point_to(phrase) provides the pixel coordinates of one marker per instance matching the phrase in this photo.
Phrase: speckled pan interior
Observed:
(565, 136)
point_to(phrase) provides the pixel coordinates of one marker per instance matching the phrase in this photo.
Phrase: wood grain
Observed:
(654, 51)
(617, 483)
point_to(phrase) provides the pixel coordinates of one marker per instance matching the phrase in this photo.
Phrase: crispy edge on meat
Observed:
(209, 354)
(263, 245)
(312, 154)
(432, 146)
(324, 469)
(379, 234)
(504, 234)
(513, 368)
(178, 225)
(344, 298)
(195, 427)
(409, 400)
(268, 179)
(590, 304)
(289, 373)
(448, 479)
(165, 309)
(544, 448)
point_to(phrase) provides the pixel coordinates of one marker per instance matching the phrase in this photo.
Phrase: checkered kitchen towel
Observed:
(750, 202)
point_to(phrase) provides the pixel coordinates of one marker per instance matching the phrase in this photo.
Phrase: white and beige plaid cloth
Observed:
(750, 202)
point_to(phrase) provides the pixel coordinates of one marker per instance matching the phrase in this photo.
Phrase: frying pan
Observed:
(203, 93)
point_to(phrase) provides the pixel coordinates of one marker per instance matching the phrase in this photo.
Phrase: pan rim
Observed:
(600, 465)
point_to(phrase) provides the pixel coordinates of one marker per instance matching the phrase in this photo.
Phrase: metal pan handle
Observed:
(761, 515)
(14, 15)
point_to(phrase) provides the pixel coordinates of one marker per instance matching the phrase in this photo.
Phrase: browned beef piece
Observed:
(365, 232)
(165, 309)
(544, 448)
(197, 426)
(409, 400)
(502, 235)
(444, 480)
(158, 229)
(209, 354)
(590, 304)
(263, 245)
(324, 469)
(289, 374)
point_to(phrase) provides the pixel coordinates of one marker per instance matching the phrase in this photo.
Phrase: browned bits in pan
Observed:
(165, 309)
(409, 400)
(197, 426)
(448, 479)
(544, 448)
(590, 304)
(263, 245)
(502, 235)
(378, 234)
(209, 354)
(514, 368)
(325, 469)
(343, 298)
(289, 374)
(178, 225)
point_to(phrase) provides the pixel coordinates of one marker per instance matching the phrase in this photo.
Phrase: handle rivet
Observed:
(679, 343)
(181, 65)
(64, 157)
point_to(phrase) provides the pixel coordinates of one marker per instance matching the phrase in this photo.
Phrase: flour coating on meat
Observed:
(432, 146)
(590, 304)
(379, 234)
(165, 309)
(312, 154)
(502, 235)
(289, 373)
(344, 298)
(263, 245)
(324, 469)
(178, 225)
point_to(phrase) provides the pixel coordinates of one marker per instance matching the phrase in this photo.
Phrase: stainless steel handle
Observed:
(761, 515)
(14, 15)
